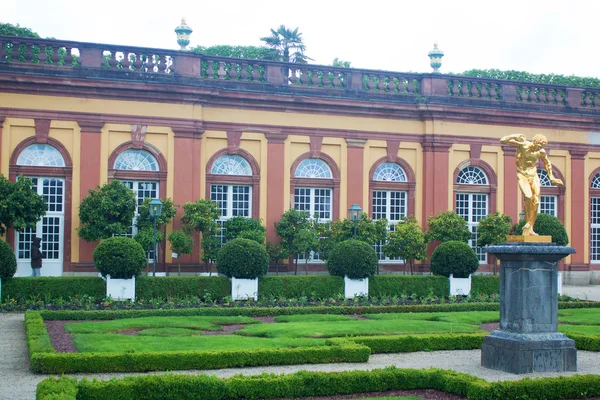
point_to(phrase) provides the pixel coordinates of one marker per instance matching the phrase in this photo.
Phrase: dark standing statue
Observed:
(36, 257)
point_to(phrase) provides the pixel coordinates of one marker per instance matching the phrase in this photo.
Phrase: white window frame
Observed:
(314, 257)
(470, 217)
(229, 206)
(38, 231)
(391, 222)
(595, 230)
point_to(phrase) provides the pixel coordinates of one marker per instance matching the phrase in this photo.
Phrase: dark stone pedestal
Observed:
(528, 339)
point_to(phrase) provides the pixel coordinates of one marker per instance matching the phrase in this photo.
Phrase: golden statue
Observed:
(528, 154)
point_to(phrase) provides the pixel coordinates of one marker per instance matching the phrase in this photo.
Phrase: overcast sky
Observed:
(539, 36)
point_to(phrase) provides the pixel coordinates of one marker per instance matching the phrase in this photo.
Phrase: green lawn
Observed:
(185, 333)
(103, 343)
(580, 316)
(204, 323)
(353, 328)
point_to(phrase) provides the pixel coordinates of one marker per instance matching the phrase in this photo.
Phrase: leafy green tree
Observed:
(287, 228)
(339, 63)
(145, 237)
(250, 52)
(523, 76)
(145, 221)
(368, 230)
(306, 242)
(493, 230)
(20, 206)
(106, 212)
(246, 228)
(181, 243)
(288, 44)
(446, 226)
(202, 216)
(16, 30)
(276, 254)
(407, 241)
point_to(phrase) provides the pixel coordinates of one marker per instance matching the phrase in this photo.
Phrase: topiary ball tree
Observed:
(120, 257)
(454, 257)
(352, 258)
(548, 225)
(8, 261)
(242, 259)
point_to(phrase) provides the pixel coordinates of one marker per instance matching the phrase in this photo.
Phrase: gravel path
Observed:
(19, 383)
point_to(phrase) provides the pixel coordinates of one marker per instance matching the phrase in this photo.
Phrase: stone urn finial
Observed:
(183, 32)
(435, 58)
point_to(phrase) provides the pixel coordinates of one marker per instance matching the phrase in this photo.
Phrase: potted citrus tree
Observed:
(120, 259)
(455, 260)
(355, 261)
(243, 261)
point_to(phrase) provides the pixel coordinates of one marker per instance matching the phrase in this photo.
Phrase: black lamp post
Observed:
(155, 211)
(354, 214)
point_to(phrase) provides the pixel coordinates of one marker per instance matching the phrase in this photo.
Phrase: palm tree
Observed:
(288, 43)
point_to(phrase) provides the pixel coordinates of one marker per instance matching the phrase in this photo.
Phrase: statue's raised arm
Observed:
(516, 139)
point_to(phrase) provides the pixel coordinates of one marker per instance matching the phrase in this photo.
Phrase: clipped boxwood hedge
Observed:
(407, 285)
(312, 384)
(50, 288)
(120, 257)
(216, 288)
(314, 286)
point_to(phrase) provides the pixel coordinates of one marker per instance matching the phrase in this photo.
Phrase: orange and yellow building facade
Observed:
(316, 138)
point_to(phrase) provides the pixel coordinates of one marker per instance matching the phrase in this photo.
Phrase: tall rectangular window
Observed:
(473, 207)
(548, 205)
(595, 229)
(233, 201)
(390, 205)
(318, 203)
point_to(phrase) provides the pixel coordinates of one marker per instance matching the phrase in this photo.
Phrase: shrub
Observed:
(454, 257)
(8, 261)
(120, 257)
(352, 258)
(243, 259)
(408, 285)
(547, 224)
(51, 288)
(447, 226)
(246, 228)
(315, 287)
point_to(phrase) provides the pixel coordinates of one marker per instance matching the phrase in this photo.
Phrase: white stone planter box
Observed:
(560, 283)
(120, 289)
(460, 286)
(356, 287)
(244, 289)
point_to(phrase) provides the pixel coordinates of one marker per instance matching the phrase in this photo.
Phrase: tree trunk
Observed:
(178, 266)
(296, 262)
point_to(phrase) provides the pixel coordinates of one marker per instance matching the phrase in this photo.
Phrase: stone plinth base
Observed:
(519, 353)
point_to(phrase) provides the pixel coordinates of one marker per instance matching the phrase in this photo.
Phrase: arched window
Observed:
(140, 170)
(313, 168)
(316, 200)
(595, 218)
(41, 155)
(472, 201)
(136, 160)
(548, 202)
(389, 201)
(45, 166)
(315, 188)
(234, 199)
(472, 176)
